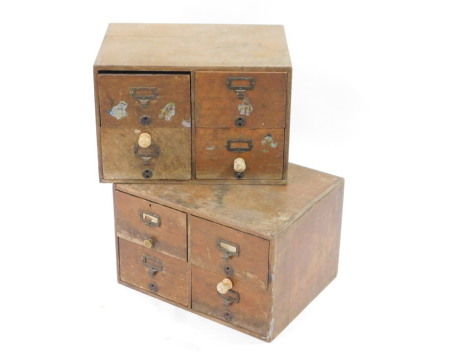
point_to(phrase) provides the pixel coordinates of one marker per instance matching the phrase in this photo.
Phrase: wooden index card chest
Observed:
(249, 257)
(194, 103)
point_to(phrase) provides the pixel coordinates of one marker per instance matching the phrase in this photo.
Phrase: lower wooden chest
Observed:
(249, 257)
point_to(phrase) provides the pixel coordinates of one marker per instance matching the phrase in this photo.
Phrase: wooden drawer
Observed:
(244, 305)
(229, 252)
(144, 100)
(153, 272)
(168, 156)
(261, 149)
(241, 99)
(159, 228)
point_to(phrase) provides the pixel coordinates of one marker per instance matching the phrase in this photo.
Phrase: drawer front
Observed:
(243, 305)
(159, 228)
(167, 157)
(241, 99)
(229, 252)
(153, 272)
(149, 100)
(261, 149)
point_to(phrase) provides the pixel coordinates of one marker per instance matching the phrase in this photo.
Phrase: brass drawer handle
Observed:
(240, 85)
(150, 219)
(228, 249)
(239, 145)
(144, 95)
(153, 265)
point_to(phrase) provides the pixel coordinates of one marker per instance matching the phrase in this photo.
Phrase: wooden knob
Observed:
(148, 243)
(239, 165)
(145, 140)
(224, 286)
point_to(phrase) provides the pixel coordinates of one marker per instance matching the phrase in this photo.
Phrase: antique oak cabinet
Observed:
(193, 103)
(250, 257)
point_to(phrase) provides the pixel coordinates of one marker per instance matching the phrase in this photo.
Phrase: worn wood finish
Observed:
(120, 162)
(261, 210)
(251, 262)
(287, 234)
(168, 235)
(188, 63)
(264, 105)
(172, 282)
(169, 107)
(194, 46)
(251, 312)
(214, 160)
(306, 258)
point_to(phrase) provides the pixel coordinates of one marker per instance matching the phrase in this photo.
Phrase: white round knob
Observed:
(239, 165)
(144, 140)
(224, 286)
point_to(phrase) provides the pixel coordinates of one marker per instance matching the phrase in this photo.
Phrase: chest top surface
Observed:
(156, 46)
(259, 209)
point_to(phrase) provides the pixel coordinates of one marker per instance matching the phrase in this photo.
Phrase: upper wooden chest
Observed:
(201, 103)
(250, 257)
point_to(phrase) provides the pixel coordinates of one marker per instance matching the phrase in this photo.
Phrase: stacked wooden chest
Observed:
(193, 127)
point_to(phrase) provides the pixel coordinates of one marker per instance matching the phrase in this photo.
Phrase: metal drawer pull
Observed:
(153, 265)
(146, 153)
(150, 219)
(240, 85)
(144, 95)
(239, 145)
(228, 249)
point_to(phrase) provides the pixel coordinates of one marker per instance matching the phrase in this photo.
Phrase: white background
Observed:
(381, 96)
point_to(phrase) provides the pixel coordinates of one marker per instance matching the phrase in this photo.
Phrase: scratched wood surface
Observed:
(168, 237)
(189, 65)
(171, 283)
(168, 107)
(252, 312)
(214, 160)
(194, 46)
(120, 162)
(263, 106)
(288, 239)
(243, 207)
(250, 265)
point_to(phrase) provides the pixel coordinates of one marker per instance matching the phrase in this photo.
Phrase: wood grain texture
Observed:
(217, 106)
(297, 254)
(172, 283)
(242, 207)
(194, 46)
(305, 258)
(170, 89)
(172, 58)
(251, 265)
(264, 160)
(120, 162)
(252, 312)
(169, 237)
